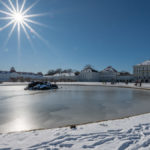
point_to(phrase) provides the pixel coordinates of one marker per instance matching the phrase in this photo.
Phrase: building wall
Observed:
(83, 77)
(93, 77)
(4, 76)
(8, 76)
(124, 78)
(142, 72)
(108, 76)
(89, 76)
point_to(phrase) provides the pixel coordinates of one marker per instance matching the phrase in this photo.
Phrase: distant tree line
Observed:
(59, 71)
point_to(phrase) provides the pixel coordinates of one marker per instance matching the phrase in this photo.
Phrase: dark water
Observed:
(26, 110)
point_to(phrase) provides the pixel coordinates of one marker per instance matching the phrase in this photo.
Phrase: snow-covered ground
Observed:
(13, 83)
(130, 133)
(121, 84)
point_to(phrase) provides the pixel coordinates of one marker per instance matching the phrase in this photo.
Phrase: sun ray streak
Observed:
(6, 13)
(7, 25)
(11, 4)
(34, 22)
(5, 18)
(30, 7)
(35, 15)
(17, 5)
(4, 4)
(12, 30)
(10, 33)
(22, 7)
(34, 32)
(27, 35)
(18, 35)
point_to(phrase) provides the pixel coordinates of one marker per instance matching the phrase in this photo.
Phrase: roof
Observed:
(90, 68)
(147, 62)
(109, 69)
(93, 70)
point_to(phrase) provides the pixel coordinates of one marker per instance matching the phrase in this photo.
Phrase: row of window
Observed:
(142, 68)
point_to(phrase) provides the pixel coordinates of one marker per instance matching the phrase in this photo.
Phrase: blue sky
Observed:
(80, 32)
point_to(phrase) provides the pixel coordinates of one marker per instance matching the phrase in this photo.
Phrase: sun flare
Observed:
(18, 17)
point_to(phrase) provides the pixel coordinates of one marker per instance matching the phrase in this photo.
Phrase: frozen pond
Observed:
(27, 110)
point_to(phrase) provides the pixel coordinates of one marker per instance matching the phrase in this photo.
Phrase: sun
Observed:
(18, 17)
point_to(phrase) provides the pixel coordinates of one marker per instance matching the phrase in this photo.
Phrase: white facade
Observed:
(9, 76)
(4, 76)
(89, 75)
(142, 71)
(108, 74)
(125, 78)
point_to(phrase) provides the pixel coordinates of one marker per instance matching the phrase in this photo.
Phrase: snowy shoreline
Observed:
(128, 133)
(145, 86)
(14, 83)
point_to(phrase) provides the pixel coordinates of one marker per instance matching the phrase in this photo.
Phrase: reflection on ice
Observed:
(18, 125)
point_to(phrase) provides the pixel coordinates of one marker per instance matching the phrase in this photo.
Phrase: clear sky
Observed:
(80, 32)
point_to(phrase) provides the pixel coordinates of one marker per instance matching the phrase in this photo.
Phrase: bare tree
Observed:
(88, 66)
(59, 70)
(51, 72)
(69, 71)
(77, 73)
(64, 71)
(40, 73)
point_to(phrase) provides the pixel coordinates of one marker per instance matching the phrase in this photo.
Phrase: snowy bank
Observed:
(108, 84)
(129, 133)
(145, 86)
(14, 83)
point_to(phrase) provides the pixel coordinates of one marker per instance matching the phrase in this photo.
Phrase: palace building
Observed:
(141, 71)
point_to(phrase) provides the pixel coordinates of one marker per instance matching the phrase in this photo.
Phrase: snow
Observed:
(121, 84)
(145, 86)
(109, 69)
(64, 74)
(130, 133)
(13, 83)
(145, 63)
